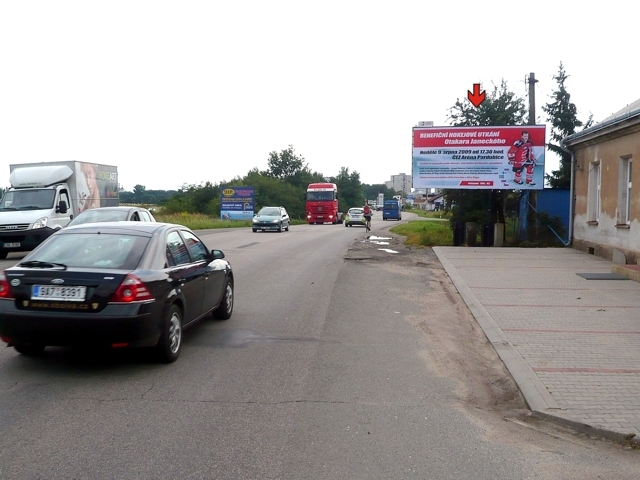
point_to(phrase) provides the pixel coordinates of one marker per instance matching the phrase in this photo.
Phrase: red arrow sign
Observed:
(476, 97)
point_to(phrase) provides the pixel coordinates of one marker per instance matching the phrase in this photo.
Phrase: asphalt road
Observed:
(341, 360)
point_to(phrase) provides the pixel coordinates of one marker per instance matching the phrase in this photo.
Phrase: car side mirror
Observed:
(62, 207)
(217, 254)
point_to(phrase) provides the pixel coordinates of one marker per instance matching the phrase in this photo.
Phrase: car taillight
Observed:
(5, 291)
(132, 289)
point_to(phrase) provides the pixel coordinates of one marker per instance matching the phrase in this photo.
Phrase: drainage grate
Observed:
(602, 276)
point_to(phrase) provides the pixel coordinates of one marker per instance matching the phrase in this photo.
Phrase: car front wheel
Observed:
(168, 347)
(225, 309)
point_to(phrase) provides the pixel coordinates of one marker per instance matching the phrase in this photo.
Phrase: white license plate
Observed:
(12, 245)
(65, 294)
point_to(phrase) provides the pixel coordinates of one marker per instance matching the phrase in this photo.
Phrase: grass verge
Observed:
(199, 221)
(426, 233)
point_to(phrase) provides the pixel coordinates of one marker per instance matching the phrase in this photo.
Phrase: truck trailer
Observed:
(44, 197)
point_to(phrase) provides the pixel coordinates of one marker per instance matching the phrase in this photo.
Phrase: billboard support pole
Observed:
(527, 217)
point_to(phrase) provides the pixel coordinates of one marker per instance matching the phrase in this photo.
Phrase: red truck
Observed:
(322, 203)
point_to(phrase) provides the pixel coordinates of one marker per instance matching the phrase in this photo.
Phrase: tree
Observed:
(562, 115)
(285, 165)
(138, 193)
(350, 192)
(371, 191)
(271, 191)
(500, 107)
(203, 198)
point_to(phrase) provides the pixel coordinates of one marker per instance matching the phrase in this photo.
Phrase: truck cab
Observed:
(43, 198)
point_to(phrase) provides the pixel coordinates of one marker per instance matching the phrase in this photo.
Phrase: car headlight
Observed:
(255, 220)
(40, 223)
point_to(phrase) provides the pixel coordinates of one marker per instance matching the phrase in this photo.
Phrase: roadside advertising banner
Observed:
(236, 203)
(500, 157)
(96, 185)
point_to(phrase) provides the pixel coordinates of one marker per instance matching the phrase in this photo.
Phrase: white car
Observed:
(113, 214)
(355, 216)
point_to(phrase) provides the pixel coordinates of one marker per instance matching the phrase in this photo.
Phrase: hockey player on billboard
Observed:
(521, 158)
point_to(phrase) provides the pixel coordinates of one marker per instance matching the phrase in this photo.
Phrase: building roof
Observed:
(624, 111)
(625, 117)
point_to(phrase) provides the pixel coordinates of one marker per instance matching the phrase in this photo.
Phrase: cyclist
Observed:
(366, 210)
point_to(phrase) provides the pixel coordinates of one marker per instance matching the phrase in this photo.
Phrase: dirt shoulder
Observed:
(457, 348)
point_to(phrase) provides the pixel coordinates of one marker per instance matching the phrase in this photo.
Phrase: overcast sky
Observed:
(184, 92)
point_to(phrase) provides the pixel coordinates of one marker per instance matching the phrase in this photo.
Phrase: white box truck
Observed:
(380, 201)
(44, 197)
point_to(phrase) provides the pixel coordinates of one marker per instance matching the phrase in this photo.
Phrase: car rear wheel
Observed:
(168, 347)
(30, 350)
(225, 309)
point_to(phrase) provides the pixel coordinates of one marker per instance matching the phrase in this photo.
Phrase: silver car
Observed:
(271, 218)
(113, 214)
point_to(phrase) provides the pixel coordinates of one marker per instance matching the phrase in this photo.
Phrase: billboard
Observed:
(236, 203)
(495, 157)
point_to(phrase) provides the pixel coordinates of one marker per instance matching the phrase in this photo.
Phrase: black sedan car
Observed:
(114, 284)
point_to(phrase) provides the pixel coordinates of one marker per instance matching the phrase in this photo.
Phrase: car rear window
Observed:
(92, 250)
(100, 216)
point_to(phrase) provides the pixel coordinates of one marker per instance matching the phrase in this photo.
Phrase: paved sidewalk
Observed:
(572, 344)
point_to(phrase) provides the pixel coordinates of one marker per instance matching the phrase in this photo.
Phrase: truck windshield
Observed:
(28, 199)
(316, 196)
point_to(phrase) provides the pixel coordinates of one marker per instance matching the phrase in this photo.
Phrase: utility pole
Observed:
(532, 98)
(528, 197)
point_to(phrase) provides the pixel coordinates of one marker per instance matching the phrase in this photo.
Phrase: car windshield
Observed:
(320, 196)
(28, 199)
(91, 216)
(271, 212)
(92, 250)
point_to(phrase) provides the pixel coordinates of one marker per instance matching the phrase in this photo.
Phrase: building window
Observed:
(623, 213)
(593, 206)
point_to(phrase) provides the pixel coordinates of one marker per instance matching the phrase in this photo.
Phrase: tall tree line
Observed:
(284, 182)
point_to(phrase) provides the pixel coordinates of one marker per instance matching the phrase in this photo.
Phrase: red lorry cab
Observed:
(322, 203)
